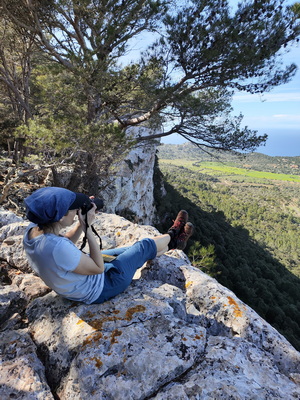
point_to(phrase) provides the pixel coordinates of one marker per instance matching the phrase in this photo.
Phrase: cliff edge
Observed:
(175, 333)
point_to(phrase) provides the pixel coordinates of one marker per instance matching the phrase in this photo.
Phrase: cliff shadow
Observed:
(241, 264)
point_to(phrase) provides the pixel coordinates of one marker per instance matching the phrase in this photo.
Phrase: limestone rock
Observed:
(228, 372)
(12, 300)
(126, 348)
(22, 373)
(12, 230)
(32, 286)
(8, 217)
(11, 247)
(220, 305)
(116, 231)
(13, 253)
(175, 333)
(13, 323)
(132, 190)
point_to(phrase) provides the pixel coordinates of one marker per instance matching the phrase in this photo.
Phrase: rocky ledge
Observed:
(175, 333)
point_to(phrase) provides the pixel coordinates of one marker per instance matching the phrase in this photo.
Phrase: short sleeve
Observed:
(66, 255)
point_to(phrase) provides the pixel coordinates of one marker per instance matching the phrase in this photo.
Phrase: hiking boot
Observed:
(184, 236)
(179, 223)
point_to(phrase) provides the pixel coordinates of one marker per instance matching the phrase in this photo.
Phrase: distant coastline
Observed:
(279, 143)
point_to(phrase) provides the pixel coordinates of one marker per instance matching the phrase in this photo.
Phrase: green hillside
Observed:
(253, 161)
(224, 169)
(247, 226)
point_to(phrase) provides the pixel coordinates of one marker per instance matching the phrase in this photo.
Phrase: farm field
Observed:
(223, 169)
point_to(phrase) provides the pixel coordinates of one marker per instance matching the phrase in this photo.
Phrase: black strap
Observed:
(85, 238)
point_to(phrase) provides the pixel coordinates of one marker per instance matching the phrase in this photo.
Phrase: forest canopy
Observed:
(70, 91)
(246, 226)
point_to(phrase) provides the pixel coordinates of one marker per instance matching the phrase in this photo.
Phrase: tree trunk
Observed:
(76, 179)
(16, 152)
(55, 176)
(91, 181)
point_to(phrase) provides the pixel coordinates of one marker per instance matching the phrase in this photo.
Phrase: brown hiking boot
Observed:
(179, 223)
(184, 236)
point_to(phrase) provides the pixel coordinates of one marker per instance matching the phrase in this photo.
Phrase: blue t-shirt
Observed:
(54, 258)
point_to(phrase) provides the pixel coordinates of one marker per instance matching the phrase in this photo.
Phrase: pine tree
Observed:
(201, 51)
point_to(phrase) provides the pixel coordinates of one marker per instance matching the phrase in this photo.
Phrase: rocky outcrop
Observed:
(175, 333)
(131, 192)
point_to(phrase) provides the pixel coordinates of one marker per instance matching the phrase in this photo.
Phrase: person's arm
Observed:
(74, 233)
(93, 264)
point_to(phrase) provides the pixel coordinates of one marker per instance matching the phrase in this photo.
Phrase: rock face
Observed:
(132, 190)
(175, 333)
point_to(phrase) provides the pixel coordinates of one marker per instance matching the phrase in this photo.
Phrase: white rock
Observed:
(22, 374)
(13, 229)
(175, 333)
(12, 300)
(132, 189)
(31, 285)
(12, 251)
(8, 217)
(232, 369)
(219, 304)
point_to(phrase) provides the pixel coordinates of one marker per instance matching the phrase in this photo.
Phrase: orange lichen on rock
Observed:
(90, 314)
(199, 336)
(99, 363)
(189, 283)
(114, 334)
(133, 310)
(92, 338)
(97, 323)
(236, 309)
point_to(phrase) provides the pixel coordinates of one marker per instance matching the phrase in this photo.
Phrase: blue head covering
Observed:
(50, 204)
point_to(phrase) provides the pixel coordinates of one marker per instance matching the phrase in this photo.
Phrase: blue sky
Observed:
(279, 108)
(276, 113)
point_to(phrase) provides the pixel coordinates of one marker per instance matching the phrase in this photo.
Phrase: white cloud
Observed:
(267, 97)
(275, 121)
(287, 117)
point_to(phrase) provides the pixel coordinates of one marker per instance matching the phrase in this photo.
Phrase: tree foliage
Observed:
(15, 70)
(199, 52)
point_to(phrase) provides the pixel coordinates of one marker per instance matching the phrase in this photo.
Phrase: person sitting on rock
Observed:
(72, 273)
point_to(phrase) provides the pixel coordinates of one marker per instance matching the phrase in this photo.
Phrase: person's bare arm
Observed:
(74, 233)
(87, 266)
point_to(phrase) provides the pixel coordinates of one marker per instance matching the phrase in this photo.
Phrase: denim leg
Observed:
(117, 279)
(115, 252)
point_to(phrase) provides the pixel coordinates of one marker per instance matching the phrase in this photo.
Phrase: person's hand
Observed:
(91, 216)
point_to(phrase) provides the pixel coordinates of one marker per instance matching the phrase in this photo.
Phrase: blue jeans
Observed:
(122, 269)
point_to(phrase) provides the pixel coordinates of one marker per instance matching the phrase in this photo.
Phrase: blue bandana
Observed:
(50, 204)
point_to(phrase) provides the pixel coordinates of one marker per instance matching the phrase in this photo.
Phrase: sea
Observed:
(279, 142)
